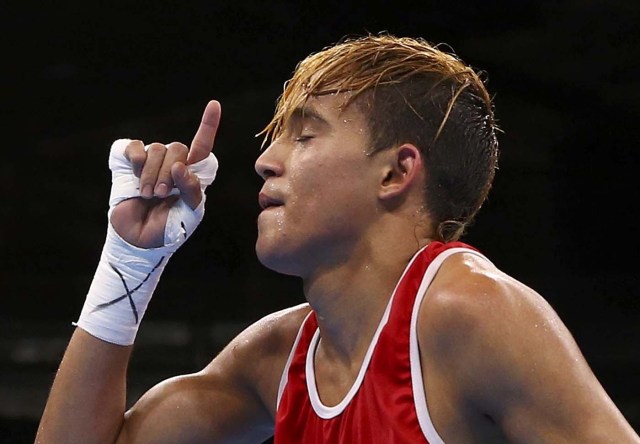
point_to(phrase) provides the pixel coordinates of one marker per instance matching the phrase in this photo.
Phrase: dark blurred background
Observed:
(562, 217)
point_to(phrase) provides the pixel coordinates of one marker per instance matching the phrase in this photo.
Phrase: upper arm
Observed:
(229, 400)
(514, 360)
(202, 407)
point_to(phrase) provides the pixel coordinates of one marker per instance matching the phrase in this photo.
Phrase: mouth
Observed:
(267, 202)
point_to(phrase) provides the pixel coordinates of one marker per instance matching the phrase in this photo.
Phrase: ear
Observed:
(402, 171)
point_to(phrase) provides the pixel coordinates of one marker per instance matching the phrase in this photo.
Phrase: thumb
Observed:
(188, 184)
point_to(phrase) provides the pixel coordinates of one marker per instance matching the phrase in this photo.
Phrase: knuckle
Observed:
(135, 149)
(190, 182)
(137, 157)
(156, 148)
(178, 148)
(135, 145)
(194, 182)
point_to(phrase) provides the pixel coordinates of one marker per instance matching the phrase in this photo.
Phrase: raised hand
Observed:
(141, 221)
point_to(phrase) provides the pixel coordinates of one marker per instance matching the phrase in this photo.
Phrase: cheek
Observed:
(328, 205)
(326, 190)
(315, 189)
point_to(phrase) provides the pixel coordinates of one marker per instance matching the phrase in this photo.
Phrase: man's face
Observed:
(319, 195)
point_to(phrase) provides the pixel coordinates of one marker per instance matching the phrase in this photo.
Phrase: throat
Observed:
(333, 375)
(352, 306)
(334, 378)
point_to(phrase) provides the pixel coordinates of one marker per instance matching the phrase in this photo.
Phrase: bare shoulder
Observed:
(473, 315)
(271, 335)
(477, 315)
(507, 354)
(257, 356)
(469, 291)
(232, 399)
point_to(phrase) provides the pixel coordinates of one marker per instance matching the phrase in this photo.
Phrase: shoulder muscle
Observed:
(510, 355)
(231, 400)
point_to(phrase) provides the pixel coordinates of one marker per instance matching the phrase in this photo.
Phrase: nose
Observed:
(268, 164)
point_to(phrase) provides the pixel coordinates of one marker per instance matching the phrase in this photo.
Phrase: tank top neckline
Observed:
(325, 411)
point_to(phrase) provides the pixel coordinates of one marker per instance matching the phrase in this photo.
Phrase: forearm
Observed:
(88, 397)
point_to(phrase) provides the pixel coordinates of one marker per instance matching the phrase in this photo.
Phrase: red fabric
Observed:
(383, 410)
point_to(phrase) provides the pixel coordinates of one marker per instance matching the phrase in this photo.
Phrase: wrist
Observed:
(123, 284)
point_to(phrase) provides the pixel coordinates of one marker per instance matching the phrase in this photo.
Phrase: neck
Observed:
(350, 298)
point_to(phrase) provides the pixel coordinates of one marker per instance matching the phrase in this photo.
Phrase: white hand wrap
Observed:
(127, 275)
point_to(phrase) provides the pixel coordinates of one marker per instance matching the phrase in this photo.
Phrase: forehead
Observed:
(333, 109)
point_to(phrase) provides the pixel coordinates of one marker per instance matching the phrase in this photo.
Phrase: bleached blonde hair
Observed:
(414, 92)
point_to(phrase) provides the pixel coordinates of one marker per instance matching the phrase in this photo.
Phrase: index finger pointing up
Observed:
(202, 143)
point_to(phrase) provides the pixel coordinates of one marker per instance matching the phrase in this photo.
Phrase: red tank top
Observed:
(386, 403)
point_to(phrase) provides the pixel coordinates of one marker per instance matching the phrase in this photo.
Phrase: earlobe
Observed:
(402, 171)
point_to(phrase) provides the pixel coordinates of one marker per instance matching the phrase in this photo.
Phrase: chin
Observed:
(275, 258)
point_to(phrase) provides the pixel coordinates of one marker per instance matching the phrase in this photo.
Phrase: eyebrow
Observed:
(306, 112)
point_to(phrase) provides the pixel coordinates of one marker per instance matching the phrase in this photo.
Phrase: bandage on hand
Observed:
(127, 274)
(179, 219)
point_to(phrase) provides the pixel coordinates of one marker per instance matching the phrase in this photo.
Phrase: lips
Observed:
(265, 201)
